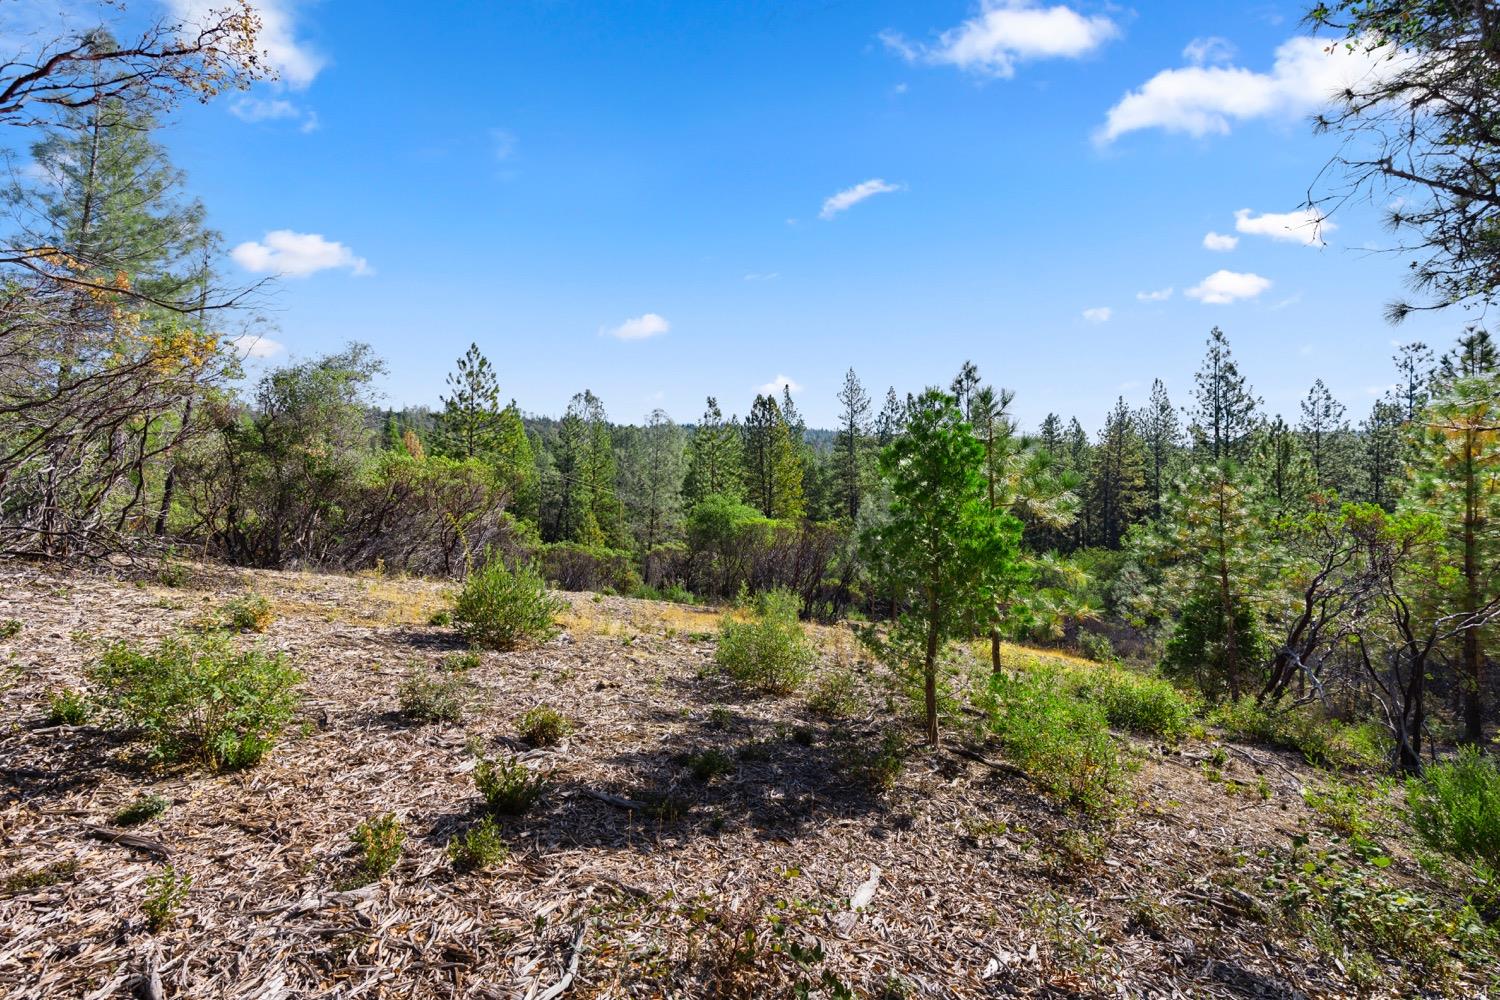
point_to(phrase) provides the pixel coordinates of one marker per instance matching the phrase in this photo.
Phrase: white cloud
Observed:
(1205, 100)
(1220, 242)
(1099, 314)
(1005, 32)
(849, 197)
(1305, 225)
(767, 276)
(296, 255)
(1212, 49)
(261, 109)
(1160, 295)
(250, 345)
(296, 64)
(638, 328)
(1223, 287)
(777, 384)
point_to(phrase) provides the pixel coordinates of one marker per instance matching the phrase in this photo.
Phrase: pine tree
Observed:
(1325, 436)
(965, 384)
(1382, 450)
(1459, 481)
(1117, 487)
(773, 469)
(1224, 412)
(714, 459)
(850, 444)
(1161, 434)
(1282, 476)
(470, 424)
(600, 470)
(1050, 435)
(892, 417)
(654, 478)
(1413, 378)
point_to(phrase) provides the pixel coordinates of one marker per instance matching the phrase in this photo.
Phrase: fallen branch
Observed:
(132, 840)
(572, 971)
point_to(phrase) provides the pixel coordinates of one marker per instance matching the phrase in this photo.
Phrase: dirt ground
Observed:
(631, 877)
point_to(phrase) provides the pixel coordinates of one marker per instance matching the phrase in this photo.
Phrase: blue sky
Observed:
(1017, 177)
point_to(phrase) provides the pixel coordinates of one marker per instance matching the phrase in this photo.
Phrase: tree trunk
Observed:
(929, 669)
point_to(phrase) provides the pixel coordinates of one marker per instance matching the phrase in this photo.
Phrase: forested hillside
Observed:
(310, 696)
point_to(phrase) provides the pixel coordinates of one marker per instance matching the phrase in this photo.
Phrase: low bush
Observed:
(1138, 702)
(478, 847)
(429, 697)
(770, 653)
(1060, 741)
(879, 765)
(673, 592)
(1097, 648)
(249, 612)
(573, 566)
(199, 698)
(706, 765)
(166, 891)
(834, 695)
(10, 628)
(504, 609)
(69, 708)
(142, 810)
(460, 662)
(1322, 741)
(544, 726)
(508, 786)
(378, 841)
(1455, 808)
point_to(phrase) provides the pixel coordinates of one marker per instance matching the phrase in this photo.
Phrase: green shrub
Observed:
(575, 566)
(1343, 806)
(834, 695)
(1097, 648)
(10, 628)
(673, 592)
(506, 609)
(508, 786)
(771, 653)
(458, 663)
(1138, 702)
(198, 698)
(429, 697)
(378, 841)
(706, 765)
(249, 612)
(166, 891)
(877, 766)
(720, 717)
(544, 726)
(45, 876)
(1455, 807)
(1061, 742)
(145, 808)
(440, 618)
(68, 708)
(478, 847)
(1322, 741)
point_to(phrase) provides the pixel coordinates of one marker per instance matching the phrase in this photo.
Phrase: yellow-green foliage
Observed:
(1061, 741)
(509, 787)
(1455, 807)
(544, 726)
(378, 840)
(504, 609)
(1132, 700)
(1323, 741)
(771, 653)
(249, 612)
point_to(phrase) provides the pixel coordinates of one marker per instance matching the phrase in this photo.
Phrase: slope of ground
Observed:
(632, 877)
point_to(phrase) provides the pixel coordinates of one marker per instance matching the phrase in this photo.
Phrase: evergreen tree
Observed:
(599, 470)
(470, 424)
(1161, 435)
(1224, 412)
(892, 417)
(1382, 448)
(1117, 487)
(1325, 436)
(1413, 378)
(1459, 481)
(849, 445)
(1050, 435)
(654, 481)
(964, 385)
(714, 459)
(944, 551)
(773, 469)
(1282, 476)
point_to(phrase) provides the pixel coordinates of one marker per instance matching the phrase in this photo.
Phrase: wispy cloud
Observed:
(1160, 295)
(638, 328)
(250, 345)
(1224, 287)
(777, 384)
(297, 255)
(1219, 242)
(851, 196)
(1006, 32)
(263, 109)
(766, 276)
(1098, 314)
